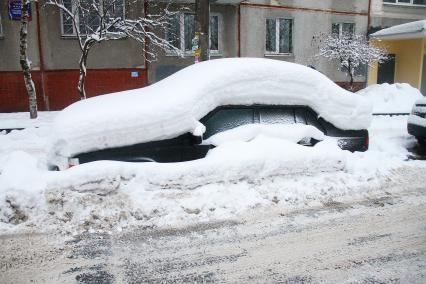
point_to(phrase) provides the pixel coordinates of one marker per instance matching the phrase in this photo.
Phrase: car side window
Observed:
(299, 115)
(277, 115)
(312, 119)
(227, 118)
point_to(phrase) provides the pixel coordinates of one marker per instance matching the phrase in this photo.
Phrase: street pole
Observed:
(202, 22)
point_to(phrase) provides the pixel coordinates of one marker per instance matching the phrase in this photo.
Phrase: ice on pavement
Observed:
(173, 106)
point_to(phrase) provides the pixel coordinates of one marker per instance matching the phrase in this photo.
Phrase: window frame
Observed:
(181, 17)
(397, 3)
(277, 37)
(74, 33)
(341, 27)
(1, 28)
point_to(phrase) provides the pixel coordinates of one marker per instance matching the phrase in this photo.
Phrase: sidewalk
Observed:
(17, 120)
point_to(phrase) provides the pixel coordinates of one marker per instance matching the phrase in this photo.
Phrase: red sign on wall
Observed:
(15, 10)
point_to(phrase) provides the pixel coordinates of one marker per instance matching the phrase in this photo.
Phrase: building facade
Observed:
(277, 29)
(54, 54)
(281, 30)
(388, 13)
(399, 27)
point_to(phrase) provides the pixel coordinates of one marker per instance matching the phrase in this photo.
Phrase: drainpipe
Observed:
(41, 57)
(369, 16)
(239, 30)
(146, 44)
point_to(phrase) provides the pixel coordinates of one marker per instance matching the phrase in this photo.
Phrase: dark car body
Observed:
(417, 121)
(187, 147)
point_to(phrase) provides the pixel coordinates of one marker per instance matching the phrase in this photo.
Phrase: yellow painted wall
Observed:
(408, 62)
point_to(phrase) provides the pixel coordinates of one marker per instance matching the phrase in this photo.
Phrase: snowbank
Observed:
(394, 98)
(174, 105)
(108, 195)
(252, 169)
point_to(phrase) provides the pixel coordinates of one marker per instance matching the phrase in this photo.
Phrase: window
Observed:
(1, 29)
(406, 2)
(276, 115)
(88, 18)
(181, 31)
(279, 33)
(340, 29)
(227, 118)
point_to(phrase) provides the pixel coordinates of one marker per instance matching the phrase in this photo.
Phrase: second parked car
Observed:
(417, 121)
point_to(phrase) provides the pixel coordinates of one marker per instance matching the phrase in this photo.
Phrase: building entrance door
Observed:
(386, 72)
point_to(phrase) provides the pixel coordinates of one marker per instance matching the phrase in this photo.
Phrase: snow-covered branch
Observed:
(352, 51)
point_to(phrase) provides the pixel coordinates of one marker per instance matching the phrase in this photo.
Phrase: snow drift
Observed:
(174, 105)
(391, 98)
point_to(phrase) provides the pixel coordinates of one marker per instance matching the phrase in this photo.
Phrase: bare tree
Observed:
(352, 51)
(24, 61)
(97, 21)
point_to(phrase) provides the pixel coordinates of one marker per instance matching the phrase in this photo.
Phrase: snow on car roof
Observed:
(175, 105)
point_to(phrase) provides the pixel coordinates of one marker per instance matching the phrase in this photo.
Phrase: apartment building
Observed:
(400, 27)
(276, 29)
(388, 13)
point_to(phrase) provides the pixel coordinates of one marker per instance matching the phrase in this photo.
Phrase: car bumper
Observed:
(417, 130)
(416, 126)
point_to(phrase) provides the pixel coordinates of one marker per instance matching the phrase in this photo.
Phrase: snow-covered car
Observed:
(171, 120)
(416, 125)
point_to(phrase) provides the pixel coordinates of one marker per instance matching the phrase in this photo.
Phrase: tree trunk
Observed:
(83, 70)
(351, 75)
(202, 16)
(25, 65)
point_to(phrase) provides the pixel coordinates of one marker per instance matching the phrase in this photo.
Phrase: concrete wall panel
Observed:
(9, 42)
(306, 25)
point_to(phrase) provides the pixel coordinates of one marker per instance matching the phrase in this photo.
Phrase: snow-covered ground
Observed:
(234, 178)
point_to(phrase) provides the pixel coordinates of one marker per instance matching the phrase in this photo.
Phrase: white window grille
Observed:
(1, 28)
(181, 31)
(340, 29)
(279, 36)
(406, 2)
(88, 18)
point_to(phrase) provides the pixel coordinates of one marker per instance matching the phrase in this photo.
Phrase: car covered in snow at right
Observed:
(417, 121)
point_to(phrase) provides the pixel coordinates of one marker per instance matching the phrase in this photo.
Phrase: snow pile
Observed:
(173, 106)
(20, 187)
(108, 195)
(413, 27)
(251, 168)
(391, 98)
(292, 132)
